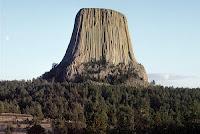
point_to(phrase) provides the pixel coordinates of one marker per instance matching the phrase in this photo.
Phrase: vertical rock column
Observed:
(100, 33)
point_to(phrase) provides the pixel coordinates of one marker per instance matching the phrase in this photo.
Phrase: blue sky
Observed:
(165, 36)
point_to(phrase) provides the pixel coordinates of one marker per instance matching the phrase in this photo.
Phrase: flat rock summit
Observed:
(100, 50)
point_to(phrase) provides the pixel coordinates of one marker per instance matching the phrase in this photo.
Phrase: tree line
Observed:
(103, 108)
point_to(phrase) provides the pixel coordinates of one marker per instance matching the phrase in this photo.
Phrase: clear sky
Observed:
(165, 36)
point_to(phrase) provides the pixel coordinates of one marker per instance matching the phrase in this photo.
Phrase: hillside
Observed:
(104, 108)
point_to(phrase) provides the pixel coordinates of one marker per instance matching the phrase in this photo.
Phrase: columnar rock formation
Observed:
(100, 33)
(100, 49)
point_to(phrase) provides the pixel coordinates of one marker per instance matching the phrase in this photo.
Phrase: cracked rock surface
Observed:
(100, 49)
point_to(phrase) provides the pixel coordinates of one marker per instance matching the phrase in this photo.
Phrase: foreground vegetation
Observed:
(98, 108)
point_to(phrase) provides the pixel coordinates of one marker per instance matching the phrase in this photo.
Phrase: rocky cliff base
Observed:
(99, 71)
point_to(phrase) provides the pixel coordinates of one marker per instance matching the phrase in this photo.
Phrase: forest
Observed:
(103, 108)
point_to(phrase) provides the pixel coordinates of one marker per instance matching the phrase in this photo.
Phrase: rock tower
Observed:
(100, 50)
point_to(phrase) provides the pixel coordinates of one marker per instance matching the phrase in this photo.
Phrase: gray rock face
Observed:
(100, 33)
(100, 49)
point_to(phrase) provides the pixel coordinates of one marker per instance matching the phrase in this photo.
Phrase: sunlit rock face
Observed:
(100, 50)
